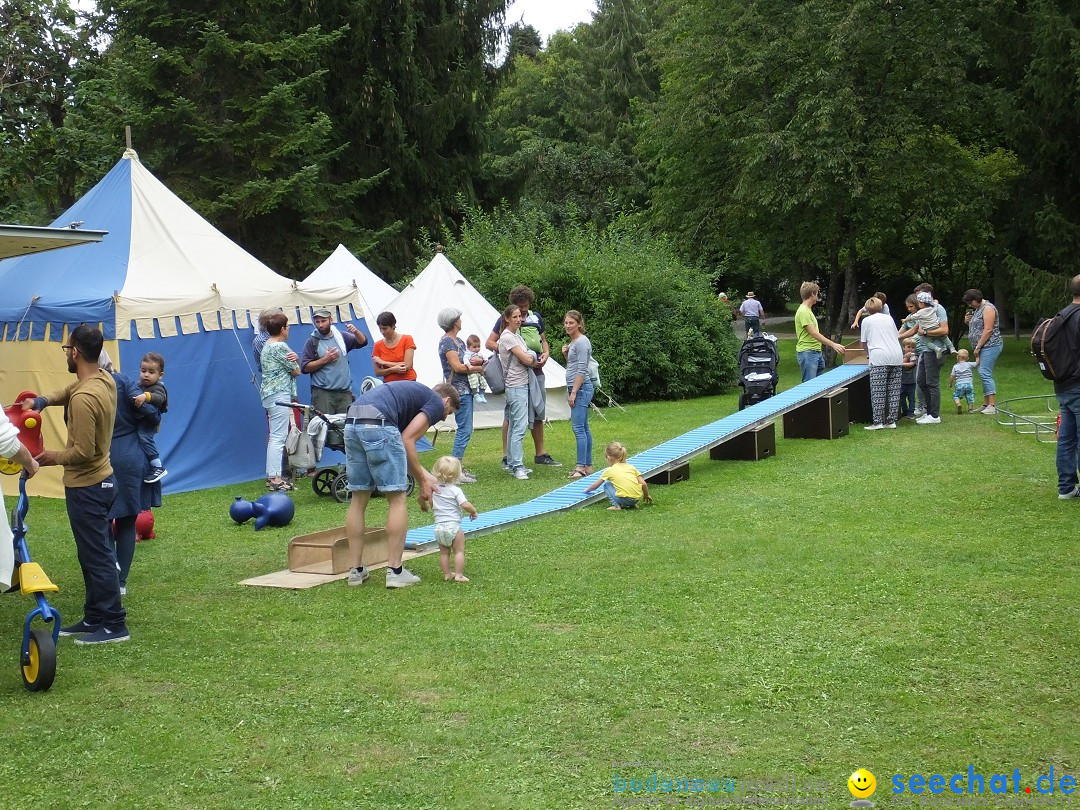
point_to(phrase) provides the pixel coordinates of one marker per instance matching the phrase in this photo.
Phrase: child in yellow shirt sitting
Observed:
(622, 483)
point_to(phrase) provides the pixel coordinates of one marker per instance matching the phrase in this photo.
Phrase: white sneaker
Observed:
(891, 426)
(358, 576)
(928, 420)
(402, 580)
(919, 413)
(989, 410)
(1068, 496)
(467, 478)
(874, 427)
(521, 474)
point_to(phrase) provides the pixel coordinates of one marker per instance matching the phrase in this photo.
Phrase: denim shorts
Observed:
(446, 532)
(375, 458)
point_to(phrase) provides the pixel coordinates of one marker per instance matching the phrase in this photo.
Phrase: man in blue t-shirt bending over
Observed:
(381, 431)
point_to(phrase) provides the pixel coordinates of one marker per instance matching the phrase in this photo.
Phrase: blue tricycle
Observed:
(38, 657)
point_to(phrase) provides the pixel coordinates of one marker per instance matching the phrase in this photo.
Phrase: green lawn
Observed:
(900, 600)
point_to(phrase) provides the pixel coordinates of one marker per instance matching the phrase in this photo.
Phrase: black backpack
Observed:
(1051, 347)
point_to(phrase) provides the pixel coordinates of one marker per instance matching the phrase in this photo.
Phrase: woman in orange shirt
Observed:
(393, 355)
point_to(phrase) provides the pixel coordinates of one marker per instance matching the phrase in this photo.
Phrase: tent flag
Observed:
(163, 280)
(441, 285)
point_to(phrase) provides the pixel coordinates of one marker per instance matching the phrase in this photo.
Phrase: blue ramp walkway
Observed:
(672, 453)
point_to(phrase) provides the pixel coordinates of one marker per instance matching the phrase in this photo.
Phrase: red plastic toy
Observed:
(28, 423)
(144, 526)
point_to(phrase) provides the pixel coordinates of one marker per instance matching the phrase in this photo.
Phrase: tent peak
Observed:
(130, 154)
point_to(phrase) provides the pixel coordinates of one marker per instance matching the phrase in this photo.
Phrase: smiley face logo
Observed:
(862, 784)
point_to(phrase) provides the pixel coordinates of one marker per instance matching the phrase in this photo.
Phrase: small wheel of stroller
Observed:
(412, 485)
(39, 663)
(742, 400)
(341, 488)
(323, 482)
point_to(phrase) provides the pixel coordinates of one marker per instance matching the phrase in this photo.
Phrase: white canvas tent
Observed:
(441, 285)
(343, 268)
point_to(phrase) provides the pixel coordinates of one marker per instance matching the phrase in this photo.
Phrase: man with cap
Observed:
(753, 314)
(324, 358)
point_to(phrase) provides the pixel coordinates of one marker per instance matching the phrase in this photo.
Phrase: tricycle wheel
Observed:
(39, 664)
(323, 482)
(341, 488)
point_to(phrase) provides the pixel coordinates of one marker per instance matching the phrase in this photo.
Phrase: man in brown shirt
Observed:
(89, 485)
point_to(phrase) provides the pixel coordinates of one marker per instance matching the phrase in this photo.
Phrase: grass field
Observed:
(900, 600)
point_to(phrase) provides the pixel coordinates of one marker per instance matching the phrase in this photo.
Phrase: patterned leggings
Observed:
(885, 393)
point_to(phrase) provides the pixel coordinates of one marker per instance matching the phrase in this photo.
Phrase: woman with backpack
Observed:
(579, 389)
(984, 332)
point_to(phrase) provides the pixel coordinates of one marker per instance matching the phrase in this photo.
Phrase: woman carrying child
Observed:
(579, 389)
(622, 482)
(448, 502)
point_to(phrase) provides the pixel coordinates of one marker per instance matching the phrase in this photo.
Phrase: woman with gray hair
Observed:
(456, 373)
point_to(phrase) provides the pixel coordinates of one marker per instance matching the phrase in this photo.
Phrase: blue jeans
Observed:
(579, 420)
(616, 500)
(88, 512)
(278, 417)
(1068, 439)
(812, 364)
(375, 457)
(517, 405)
(987, 358)
(463, 416)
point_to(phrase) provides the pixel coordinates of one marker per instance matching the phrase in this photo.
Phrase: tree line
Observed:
(866, 144)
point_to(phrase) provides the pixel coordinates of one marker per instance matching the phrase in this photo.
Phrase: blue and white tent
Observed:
(162, 280)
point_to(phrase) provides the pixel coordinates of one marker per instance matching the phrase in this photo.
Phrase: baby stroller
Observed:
(328, 431)
(758, 361)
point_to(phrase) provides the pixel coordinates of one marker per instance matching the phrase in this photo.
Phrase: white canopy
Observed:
(343, 268)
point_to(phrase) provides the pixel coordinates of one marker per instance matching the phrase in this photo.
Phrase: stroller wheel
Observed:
(323, 482)
(341, 488)
(411, 487)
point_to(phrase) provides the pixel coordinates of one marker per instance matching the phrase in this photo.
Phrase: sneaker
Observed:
(1068, 496)
(919, 413)
(358, 576)
(891, 426)
(105, 635)
(479, 397)
(521, 474)
(156, 474)
(79, 628)
(506, 464)
(402, 580)
(875, 427)
(546, 461)
(928, 420)
(959, 408)
(989, 410)
(123, 590)
(467, 478)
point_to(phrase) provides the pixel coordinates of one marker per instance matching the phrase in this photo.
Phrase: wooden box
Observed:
(327, 552)
(672, 476)
(823, 418)
(855, 352)
(753, 445)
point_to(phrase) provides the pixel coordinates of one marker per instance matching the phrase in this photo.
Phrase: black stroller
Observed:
(758, 361)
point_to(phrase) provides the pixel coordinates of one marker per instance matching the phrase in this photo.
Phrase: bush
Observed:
(657, 329)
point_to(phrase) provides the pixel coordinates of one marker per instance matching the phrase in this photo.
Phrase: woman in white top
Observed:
(882, 340)
(516, 361)
(13, 449)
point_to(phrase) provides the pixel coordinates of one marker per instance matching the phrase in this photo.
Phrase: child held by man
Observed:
(622, 483)
(151, 370)
(448, 502)
(962, 378)
(923, 314)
